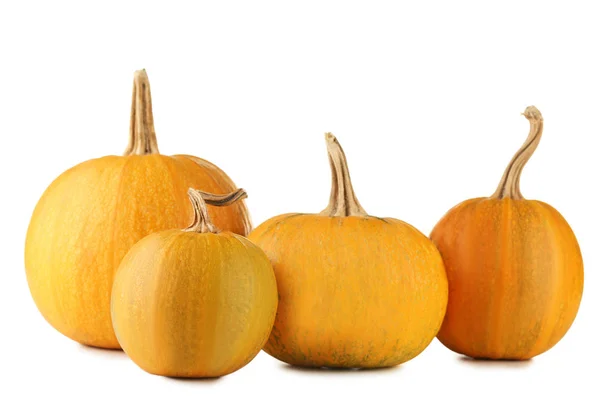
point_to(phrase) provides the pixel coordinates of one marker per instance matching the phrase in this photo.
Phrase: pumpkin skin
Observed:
(89, 217)
(355, 291)
(514, 269)
(515, 274)
(188, 304)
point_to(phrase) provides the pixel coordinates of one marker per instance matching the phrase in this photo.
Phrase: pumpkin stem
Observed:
(199, 199)
(342, 201)
(509, 184)
(142, 138)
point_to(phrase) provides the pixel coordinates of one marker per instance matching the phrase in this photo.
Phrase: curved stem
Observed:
(142, 138)
(342, 201)
(509, 184)
(199, 199)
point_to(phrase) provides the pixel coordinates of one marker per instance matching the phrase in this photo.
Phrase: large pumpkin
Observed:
(355, 291)
(196, 302)
(90, 216)
(514, 268)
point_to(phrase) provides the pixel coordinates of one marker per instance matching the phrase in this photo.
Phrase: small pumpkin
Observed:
(90, 216)
(514, 268)
(355, 291)
(195, 302)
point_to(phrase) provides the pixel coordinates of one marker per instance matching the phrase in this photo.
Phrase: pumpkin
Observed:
(355, 291)
(195, 302)
(90, 216)
(514, 268)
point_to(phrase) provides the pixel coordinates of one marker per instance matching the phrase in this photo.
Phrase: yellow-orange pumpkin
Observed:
(197, 302)
(90, 216)
(514, 268)
(355, 291)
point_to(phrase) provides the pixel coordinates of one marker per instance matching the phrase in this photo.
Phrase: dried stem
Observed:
(142, 138)
(199, 199)
(509, 184)
(342, 201)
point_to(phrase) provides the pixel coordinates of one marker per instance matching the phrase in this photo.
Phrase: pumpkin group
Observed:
(355, 291)
(92, 214)
(194, 302)
(514, 268)
(109, 264)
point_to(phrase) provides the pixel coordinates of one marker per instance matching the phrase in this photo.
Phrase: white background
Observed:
(425, 98)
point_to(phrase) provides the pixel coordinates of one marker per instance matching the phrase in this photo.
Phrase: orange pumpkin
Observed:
(514, 268)
(355, 291)
(195, 302)
(90, 216)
